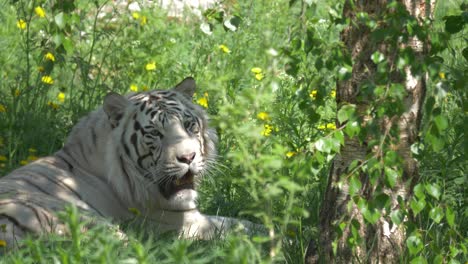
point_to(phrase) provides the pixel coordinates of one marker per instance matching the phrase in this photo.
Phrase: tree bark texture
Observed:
(381, 242)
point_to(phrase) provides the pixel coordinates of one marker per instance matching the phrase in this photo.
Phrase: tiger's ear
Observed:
(114, 106)
(187, 87)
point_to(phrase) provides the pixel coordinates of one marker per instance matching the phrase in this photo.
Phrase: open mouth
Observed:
(178, 184)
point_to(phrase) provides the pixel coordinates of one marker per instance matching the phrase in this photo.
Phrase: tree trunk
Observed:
(382, 241)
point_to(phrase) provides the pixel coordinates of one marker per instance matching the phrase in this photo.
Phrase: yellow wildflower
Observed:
(3, 243)
(151, 66)
(49, 56)
(259, 76)
(32, 158)
(143, 20)
(3, 158)
(40, 69)
(224, 48)
(53, 105)
(2, 108)
(331, 126)
(256, 70)
(321, 127)
(442, 75)
(313, 94)
(39, 11)
(203, 102)
(17, 92)
(133, 88)
(21, 24)
(61, 97)
(333, 93)
(267, 129)
(136, 15)
(263, 116)
(205, 94)
(289, 154)
(47, 79)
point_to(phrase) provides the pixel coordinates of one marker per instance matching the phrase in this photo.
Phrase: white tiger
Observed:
(145, 151)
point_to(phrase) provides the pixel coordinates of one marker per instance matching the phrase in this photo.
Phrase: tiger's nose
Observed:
(187, 158)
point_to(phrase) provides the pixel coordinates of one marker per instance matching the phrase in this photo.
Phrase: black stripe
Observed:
(58, 183)
(93, 135)
(15, 222)
(140, 159)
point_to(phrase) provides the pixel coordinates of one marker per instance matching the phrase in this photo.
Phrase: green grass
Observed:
(268, 170)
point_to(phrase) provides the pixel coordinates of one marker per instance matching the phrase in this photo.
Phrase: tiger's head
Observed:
(165, 144)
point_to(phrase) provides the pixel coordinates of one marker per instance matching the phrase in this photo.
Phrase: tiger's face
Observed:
(166, 142)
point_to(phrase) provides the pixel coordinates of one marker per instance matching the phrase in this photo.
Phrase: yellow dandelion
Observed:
(47, 79)
(203, 102)
(224, 48)
(53, 105)
(3, 158)
(17, 92)
(267, 129)
(442, 75)
(259, 76)
(321, 127)
(205, 94)
(151, 66)
(39, 11)
(40, 69)
(313, 94)
(3, 243)
(263, 116)
(333, 93)
(136, 15)
(49, 56)
(133, 88)
(290, 154)
(256, 70)
(143, 20)
(21, 24)
(331, 126)
(61, 97)
(2, 108)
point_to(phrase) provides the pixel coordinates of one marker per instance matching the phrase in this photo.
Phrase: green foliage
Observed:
(266, 72)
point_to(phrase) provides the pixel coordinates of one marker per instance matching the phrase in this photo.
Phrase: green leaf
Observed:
(371, 214)
(436, 214)
(453, 24)
(419, 191)
(396, 216)
(352, 128)
(433, 190)
(354, 185)
(377, 57)
(60, 20)
(450, 215)
(465, 53)
(339, 136)
(419, 260)
(417, 205)
(414, 244)
(346, 112)
(441, 122)
(391, 176)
